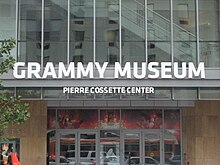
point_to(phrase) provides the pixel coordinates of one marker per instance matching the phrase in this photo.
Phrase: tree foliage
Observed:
(12, 110)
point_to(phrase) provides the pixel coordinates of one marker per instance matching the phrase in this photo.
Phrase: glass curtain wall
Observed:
(107, 31)
(209, 32)
(8, 22)
(29, 31)
(159, 31)
(81, 31)
(133, 30)
(78, 33)
(184, 35)
(55, 31)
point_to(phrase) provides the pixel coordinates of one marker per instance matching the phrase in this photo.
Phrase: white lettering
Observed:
(102, 69)
(165, 69)
(199, 71)
(122, 73)
(62, 70)
(49, 71)
(143, 70)
(15, 71)
(155, 71)
(33, 69)
(81, 72)
(176, 70)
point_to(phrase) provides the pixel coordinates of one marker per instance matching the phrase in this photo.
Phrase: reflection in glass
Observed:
(81, 31)
(133, 31)
(132, 148)
(142, 119)
(161, 93)
(87, 148)
(172, 146)
(7, 91)
(184, 31)
(185, 93)
(209, 32)
(209, 93)
(55, 32)
(53, 93)
(67, 148)
(29, 92)
(172, 119)
(158, 30)
(110, 146)
(29, 31)
(77, 119)
(7, 19)
(51, 146)
(152, 148)
(51, 119)
(107, 31)
(110, 119)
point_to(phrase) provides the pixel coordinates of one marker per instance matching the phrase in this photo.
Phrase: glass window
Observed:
(8, 91)
(81, 31)
(209, 32)
(161, 93)
(158, 30)
(185, 93)
(172, 143)
(109, 146)
(29, 92)
(53, 93)
(209, 93)
(133, 31)
(55, 32)
(184, 17)
(107, 31)
(7, 19)
(29, 31)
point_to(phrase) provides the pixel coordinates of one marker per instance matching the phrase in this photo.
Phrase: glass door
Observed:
(142, 148)
(67, 148)
(76, 148)
(152, 148)
(87, 148)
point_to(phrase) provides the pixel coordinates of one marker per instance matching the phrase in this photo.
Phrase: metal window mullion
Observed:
(68, 32)
(197, 32)
(146, 30)
(120, 33)
(16, 29)
(94, 31)
(42, 33)
(181, 135)
(171, 34)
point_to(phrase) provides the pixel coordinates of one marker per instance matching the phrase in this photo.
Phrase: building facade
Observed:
(146, 115)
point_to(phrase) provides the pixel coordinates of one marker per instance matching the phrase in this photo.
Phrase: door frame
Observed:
(142, 133)
(77, 142)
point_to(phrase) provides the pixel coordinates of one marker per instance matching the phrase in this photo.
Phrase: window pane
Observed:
(161, 93)
(29, 31)
(7, 19)
(133, 31)
(184, 31)
(55, 32)
(53, 93)
(210, 93)
(158, 30)
(29, 92)
(81, 31)
(185, 93)
(107, 31)
(209, 32)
